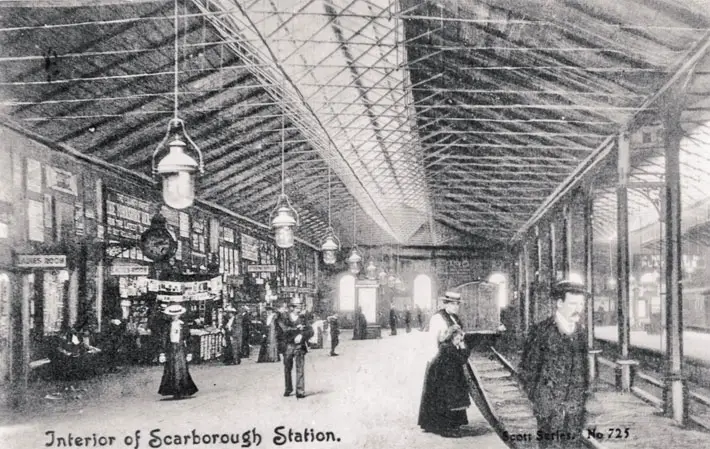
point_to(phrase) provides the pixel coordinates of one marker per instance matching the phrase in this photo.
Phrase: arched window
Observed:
(498, 278)
(422, 291)
(346, 293)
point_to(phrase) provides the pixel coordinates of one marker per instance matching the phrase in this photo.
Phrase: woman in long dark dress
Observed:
(176, 380)
(269, 347)
(445, 396)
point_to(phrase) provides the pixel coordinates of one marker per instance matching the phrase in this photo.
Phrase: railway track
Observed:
(495, 390)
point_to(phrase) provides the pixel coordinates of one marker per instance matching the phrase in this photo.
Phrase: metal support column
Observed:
(623, 267)
(539, 278)
(552, 253)
(567, 242)
(675, 394)
(527, 293)
(589, 281)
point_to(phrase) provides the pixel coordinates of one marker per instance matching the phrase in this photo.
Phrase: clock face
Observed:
(158, 245)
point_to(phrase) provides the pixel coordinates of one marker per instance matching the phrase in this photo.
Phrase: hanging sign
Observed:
(129, 270)
(41, 261)
(250, 248)
(261, 268)
(126, 217)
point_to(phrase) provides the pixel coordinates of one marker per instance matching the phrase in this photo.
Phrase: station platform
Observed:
(368, 397)
(623, 421)
(695, 344)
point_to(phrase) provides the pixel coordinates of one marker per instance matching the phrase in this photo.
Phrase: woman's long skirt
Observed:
(433, 416)
(176, 379)
(230, 355)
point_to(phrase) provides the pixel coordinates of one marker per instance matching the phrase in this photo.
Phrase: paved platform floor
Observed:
(623, 421)
(695, 344)
(368, 397)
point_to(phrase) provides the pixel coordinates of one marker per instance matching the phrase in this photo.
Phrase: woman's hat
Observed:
(229, 308)
(174, 309)
(452, 297)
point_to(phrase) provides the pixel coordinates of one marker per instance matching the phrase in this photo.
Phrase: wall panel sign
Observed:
(303, 290)
(261, 268)
(126, 217)
(41, 261)
(34, 176)
(35, 220)
(61, 180)
(5, 175)
(129, 270)
(250, 248)
(171, 216)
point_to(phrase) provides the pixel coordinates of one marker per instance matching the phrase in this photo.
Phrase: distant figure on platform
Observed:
(360, 325)
(600, 316)
(445, 396)
(420, 319)
(407, 319)
(233, 329)
(280, 343)
(269, 352)
(316, 341)
(296, 332)
(393, 321)
(334, 333)
(176, 379)
(553, 368)
(246, 332)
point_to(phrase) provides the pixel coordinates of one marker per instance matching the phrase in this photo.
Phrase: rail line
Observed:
(501, 401)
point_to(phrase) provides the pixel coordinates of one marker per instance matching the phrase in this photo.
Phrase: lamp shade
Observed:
(391, 280)
(354, 256)
(354, 267)
(330, 247)
(283, 224)
(382, 276)
(177, 170)
(284, 236)
(371, 270)
(329, 257)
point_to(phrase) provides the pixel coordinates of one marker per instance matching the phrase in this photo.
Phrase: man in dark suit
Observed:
(393, 321)
(334, 333)
(295, 331)
(553, 369)
(246, 333)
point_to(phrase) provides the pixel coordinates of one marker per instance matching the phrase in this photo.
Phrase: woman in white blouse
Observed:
(176, 380)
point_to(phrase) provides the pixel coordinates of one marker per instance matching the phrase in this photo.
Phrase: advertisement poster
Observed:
(35, 220)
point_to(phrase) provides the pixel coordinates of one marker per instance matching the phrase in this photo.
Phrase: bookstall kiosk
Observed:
(200, 295)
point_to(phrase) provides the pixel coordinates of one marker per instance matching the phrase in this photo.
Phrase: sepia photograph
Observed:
(355, 224)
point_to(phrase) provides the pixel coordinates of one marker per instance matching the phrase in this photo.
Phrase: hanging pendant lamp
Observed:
(355, 258)
(331, 244)
(382, 275)
(371, 270)
(285, 217)
(177, 169)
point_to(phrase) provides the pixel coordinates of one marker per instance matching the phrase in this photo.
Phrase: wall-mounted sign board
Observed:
(41, 261)
(261, 268)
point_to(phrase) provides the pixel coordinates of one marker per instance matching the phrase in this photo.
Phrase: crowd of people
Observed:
(287, 334)
(553, 369)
